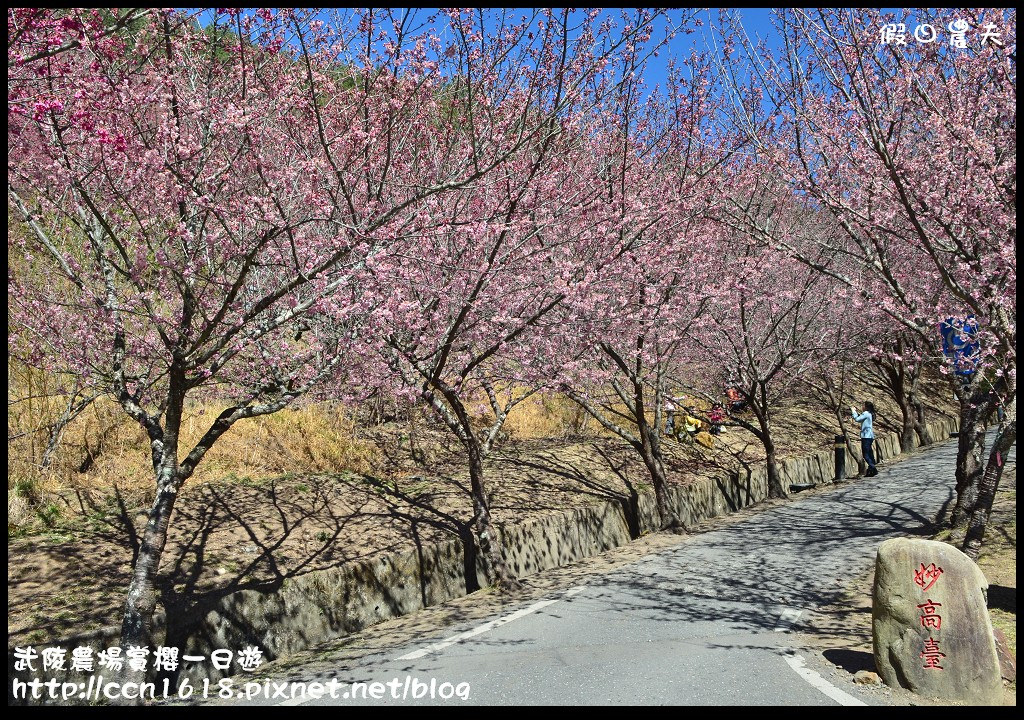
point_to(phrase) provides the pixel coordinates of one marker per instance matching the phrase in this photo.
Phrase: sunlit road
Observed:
(706, 623)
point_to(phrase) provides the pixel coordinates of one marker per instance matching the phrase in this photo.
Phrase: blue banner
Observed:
(960, 344)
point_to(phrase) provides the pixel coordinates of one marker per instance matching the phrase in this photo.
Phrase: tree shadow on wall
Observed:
(545, 470)
(229, 541)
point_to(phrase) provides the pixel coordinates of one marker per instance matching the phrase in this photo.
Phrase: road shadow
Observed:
(852, 661)
(230, 539)
(1002, 598)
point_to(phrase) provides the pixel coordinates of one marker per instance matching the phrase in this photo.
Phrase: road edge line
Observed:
(819, 683)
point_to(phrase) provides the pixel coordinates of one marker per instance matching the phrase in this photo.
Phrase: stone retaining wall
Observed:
(305, 611)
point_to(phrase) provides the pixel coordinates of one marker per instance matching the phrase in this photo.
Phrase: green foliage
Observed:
(26, 487)
(49, 514)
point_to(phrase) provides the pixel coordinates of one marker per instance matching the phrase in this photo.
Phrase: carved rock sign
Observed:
(932, 633)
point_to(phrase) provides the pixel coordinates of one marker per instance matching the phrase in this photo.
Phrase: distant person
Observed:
(691, 424)
(671, 407)
(736, 401)
(867, 435)
(716, 417)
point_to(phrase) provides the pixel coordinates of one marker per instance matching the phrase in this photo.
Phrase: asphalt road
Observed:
(708, 622)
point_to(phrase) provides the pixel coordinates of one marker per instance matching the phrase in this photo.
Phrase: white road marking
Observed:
(819, 683)
(488, 626)
(788, 618)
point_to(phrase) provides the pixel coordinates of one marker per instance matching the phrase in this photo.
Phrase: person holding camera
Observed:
(867, 435)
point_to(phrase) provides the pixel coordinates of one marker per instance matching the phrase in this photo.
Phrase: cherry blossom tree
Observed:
(204, 208)
(841, 362)
(467, 312)
(35, 34)
(661, 170)
(633, 341)
(895, 368)
(909, 150)
(774, 321)
(463, 311)
(829, 383)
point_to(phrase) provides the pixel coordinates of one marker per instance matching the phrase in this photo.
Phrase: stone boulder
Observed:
(1007, 661)
(931, 629)
(866, 677)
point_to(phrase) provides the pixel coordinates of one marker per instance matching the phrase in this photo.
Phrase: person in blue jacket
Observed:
(867, 435)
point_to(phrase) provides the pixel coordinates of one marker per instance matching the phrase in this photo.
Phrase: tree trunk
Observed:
(490, 541)
(74, 408)
(140, 604)
(650, 451)
(970, 457)
(415, 450)
(920, 426)
(987, 488)
(775, 489)
(854, 454)
(851, 456)
(907, 427)
(900, 380)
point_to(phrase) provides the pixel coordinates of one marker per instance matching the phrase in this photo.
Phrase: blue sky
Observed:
(756, 22)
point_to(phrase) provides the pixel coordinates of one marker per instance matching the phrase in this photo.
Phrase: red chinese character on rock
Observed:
(930, 618)
(931, 655)
(926, 576)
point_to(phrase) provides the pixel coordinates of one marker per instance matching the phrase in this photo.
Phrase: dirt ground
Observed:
(240, 533)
